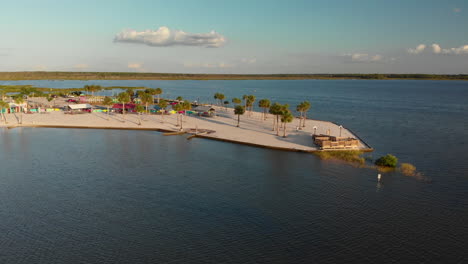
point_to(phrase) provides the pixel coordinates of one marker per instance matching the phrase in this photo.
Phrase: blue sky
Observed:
(256, 36)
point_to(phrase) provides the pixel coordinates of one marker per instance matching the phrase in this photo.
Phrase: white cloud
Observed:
(135, 65)
(364, 58)
(165, 37)
(81, 66)
(456, 51)
(208, 65)
(457, 10)
(437, 49)
(420, 48)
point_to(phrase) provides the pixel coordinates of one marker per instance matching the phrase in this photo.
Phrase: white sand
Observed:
(252, 128)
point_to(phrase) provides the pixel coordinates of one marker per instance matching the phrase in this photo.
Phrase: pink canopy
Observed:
(127, 106)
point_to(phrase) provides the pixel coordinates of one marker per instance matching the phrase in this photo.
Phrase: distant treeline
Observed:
(10, 76)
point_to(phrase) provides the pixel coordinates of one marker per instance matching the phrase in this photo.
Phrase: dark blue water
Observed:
(94, 196)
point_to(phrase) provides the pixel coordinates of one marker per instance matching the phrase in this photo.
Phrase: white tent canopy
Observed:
(79, 106)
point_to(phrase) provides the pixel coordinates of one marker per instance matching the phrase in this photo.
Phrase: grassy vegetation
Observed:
(185, 76)
(352, 156)
(408, 169)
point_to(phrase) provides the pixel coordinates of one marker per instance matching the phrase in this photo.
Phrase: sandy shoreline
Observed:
(252, 131)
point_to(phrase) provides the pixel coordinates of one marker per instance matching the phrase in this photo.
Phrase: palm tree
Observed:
(236, 101)
(146, 98)
(307, 106)
(220, 97)
(107, 102)
(19, 100)
(300, 109)
(264, 103)
(226, 104)
(275, 109)
(250, 103)
(163, 105)
(239, 110)
(177, 108)
(3, 105)
(140, 109)
(158, 91)
(179, 98)
(286, 117)
(123, 98)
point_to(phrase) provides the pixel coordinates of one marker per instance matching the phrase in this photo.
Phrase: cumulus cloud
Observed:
(208, 65)
(420, 48)
(364, 58)
(165, 37)
(456, 51)
(437, 49)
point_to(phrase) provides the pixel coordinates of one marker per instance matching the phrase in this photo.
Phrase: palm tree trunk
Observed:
(158, 98)
(181, 123)
(139, 119)
(273, 124)
(123, 111)
(108, 118)
(277, 125)
(284, 131)
(305, 118)
(238, 120)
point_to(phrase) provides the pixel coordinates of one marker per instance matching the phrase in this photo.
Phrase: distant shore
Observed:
(38, 75)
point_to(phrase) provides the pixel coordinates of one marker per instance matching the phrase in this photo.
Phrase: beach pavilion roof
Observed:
(203, 108)
(79, 106)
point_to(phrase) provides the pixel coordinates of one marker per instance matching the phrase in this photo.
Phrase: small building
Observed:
(331, 142)
(205, 110)
(78, 108)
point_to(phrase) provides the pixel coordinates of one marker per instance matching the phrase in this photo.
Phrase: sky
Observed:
(235, 36)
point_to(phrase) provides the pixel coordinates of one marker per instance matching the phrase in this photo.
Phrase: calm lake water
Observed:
(103, 196)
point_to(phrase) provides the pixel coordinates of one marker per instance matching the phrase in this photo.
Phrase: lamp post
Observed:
(340, 129)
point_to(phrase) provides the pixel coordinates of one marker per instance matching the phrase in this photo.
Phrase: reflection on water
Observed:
(69, 195)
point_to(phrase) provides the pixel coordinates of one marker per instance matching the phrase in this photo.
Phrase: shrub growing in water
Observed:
(387, 161)
(408, 169)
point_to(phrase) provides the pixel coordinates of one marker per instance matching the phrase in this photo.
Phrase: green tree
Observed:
(107, 102)
(179, 98)
(163, 105)
(140, 109)
(226, 103)
(387, 161)
(306, 107)
(220, 97)
(158, 91)
(177, 107)
(264, 104)
(239, 110)
(250, 102)
(4, 105)
(236, 101)
(19, 100)
(123, 98)
(275, 109)
(146, 99)
(286, 117)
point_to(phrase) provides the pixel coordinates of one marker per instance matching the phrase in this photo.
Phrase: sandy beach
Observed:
(253, 129)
